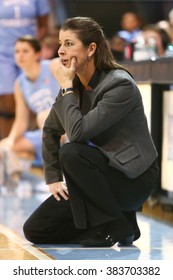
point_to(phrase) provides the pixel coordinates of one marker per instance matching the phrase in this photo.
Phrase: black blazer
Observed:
(115, 123)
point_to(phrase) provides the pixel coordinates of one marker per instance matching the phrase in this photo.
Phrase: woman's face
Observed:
(24, 54)
(71, 46)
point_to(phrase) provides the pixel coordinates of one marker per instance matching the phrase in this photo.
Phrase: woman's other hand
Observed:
(59, 189)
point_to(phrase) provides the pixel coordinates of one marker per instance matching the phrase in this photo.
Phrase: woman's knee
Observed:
(68, 152)
(30, 232)
(27, 231)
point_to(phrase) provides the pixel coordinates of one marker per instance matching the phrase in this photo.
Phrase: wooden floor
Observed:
(13, 247)
(158, 212)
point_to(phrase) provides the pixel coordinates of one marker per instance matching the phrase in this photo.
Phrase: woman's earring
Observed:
(89, 58)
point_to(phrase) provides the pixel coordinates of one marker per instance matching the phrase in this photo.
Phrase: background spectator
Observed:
(122, 42)
(117, 45)
(156, 37)
(170, 18)
(18, 18)
(50, 44)
(131, 24)
(35, 90)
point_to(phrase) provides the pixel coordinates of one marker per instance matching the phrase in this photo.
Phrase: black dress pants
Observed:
(98, 193)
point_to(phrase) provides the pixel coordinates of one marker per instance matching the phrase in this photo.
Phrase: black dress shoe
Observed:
(130, 239)
(98, 240)
(111, 232)
(131, 217)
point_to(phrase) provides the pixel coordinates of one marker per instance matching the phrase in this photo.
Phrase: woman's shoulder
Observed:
(120, 73)
(45, 65)
(21, 77)
(117, 75)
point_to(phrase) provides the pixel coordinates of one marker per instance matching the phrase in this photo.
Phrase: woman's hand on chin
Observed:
(63, 74)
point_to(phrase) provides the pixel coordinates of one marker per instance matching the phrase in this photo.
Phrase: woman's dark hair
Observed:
(89, 31)
(32, 41)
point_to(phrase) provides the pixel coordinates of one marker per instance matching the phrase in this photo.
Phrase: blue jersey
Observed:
(19, 18)
(40, 94)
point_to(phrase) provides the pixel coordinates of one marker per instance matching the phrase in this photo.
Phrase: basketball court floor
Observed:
(155, 243)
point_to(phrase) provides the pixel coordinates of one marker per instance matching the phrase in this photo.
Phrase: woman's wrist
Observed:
(67, 90)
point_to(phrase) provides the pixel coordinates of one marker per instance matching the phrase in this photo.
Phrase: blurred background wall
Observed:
(108, 12)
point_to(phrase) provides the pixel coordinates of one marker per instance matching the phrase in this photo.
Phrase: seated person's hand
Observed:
(41, 117)
(5, 144)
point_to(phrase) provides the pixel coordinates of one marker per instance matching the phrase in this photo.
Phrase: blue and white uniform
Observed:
(39, 96)
(17, 18)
